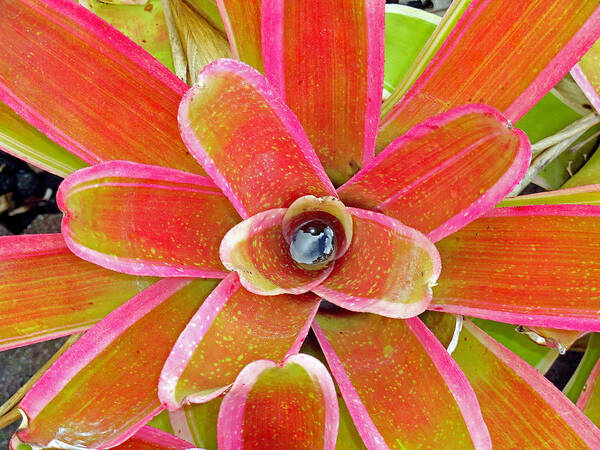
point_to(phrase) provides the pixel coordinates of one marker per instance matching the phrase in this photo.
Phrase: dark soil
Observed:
(25, 193)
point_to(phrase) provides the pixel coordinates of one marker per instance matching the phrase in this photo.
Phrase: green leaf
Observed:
(536, 355)
(406, 33)
(588, 174)
(143, 24)
(575, 385)
(22, 140)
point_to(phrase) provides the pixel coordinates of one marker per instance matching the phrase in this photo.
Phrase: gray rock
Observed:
(44, 223)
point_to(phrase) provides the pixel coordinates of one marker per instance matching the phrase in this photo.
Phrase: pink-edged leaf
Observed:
(88, 87)
(232, 328)
(445, 172)
(582, 195)
(149, 438)
(242, 24)
(146, 220)
(522, 409)
(401, 386)
(248, 140)
(338, 106)
(47, 292)
(530, 265)
(478, 62)
(291, 405)
(587, 75)
(348, 437)
(258, 251)
(589, 400)
(115, 367)
(389, 268)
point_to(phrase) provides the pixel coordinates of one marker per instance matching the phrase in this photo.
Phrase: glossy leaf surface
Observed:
(102, 99)
(115, 367)
(545, 271)
(258, 251)
(400, 385)
(47, 292)
(292, 406)
(249, 142)
(443, 173)
(338, 107)
(404, 263)
(146, 220)
(521, 408)
(407, 30)
(478, 62)
(232, 328)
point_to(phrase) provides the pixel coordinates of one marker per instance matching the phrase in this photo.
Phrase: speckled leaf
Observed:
(348, 437)
(545, 272)
(291, 405)
(401, 386)
(326, 59)
(146, 220)
(115, 367)
(249, 142)
(521, 408)
(47, 292)
(402, 260)
(478, 62)
(88, 87)
(144, 24)
(445, 172)
(258, 251)
(232, 328)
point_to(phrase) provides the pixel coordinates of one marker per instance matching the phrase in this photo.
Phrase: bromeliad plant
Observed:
(211, 283)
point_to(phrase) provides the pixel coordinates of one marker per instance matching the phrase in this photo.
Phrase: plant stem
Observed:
(12, 416)
(573, 129)
(542, 160)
